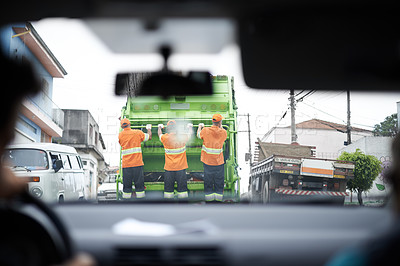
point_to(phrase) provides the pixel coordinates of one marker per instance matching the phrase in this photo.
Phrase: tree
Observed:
(367, 168)
(387, 128)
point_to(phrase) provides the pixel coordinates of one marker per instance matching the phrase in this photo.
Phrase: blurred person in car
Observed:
(213, 159)
(382, 249)
(132, 159)
(175, 159)
(18, 81)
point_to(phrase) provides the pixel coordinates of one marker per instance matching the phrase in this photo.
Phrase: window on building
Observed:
(44, 137)
(45, 89)
(27, 125)
(90, 134)
(96, 138)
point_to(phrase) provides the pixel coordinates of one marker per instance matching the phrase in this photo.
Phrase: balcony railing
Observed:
(58, 116)
(49, 108)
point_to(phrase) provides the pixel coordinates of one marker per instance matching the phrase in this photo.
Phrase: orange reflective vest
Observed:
(130, 141)
(175, 151)
(213, 141)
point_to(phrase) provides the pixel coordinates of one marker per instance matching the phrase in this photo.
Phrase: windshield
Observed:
(274, 145)
(28, 159)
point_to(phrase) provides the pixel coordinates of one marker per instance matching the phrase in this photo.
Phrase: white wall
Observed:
(380, 148)
(327, 142)
(90, 174)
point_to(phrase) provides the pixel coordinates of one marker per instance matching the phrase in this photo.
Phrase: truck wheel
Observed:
(265, 193)
(252, 193)
(254, 196)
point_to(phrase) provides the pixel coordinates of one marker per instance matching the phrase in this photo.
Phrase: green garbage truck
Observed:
(154, 110)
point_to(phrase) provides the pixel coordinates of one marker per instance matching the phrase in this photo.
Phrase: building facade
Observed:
(327, 137)
(81, 131)
(40, 119)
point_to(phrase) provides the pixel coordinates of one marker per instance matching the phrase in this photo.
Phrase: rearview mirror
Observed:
(57, 165)
(163, 84)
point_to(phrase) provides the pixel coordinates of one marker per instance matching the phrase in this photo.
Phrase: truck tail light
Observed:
(300, 185)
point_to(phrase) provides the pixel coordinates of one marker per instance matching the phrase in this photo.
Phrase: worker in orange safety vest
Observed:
(212, 157)
(132, 160)
(175, 159)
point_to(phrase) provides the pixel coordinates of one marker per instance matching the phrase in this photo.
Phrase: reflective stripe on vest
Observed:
(146, 137)
(212, 151)
(175, 151)
(131, 151)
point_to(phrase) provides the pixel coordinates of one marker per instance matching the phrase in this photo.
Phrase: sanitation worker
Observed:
(132, 160)
(175, 159)
(212, 157)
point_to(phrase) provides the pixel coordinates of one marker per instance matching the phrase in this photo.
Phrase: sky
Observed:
(92, 67)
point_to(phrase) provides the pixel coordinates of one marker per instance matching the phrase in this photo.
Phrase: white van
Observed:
(55, 171)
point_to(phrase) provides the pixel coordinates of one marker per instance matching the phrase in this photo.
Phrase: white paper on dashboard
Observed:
(133, 227)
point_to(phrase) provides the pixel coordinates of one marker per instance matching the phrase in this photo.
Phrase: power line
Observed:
(322, 94)
(354, 113)
(373, 120)
(357, 124)
(307, 94)
(332, 96)
(299, 93)
(324, 112)
(274, 127)
(363, 125)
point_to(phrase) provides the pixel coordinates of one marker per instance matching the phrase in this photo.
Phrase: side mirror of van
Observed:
(58, 165)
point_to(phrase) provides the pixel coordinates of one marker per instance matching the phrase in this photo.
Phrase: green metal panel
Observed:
(188, 109)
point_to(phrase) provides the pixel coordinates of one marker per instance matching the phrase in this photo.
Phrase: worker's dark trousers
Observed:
(169, 181)
(214, 176)
(134, 174)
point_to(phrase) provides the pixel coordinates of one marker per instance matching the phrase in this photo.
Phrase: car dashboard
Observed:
(183, 234)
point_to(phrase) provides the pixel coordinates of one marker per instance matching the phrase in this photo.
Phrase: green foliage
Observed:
(387, 128)
(367, 168)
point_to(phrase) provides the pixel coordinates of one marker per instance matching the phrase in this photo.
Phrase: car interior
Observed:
(329, 45)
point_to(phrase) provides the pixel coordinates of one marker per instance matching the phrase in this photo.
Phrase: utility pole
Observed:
(293, 116)
(248, 130)
(348, 119)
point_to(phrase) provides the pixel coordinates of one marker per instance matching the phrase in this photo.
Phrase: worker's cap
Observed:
(125, 123)
(171, 123)
(217, 118)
